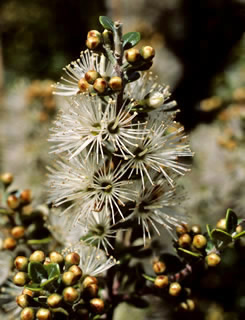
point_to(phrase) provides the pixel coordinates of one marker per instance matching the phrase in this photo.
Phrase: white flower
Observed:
(93, 261)
(77, 69)
(8, 293)
(5, 266)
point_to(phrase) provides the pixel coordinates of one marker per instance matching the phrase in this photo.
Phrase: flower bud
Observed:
(77, 271)
(115, 83)
(25, 196)
(9, 243)
(174, 289)
(97, 305)
(147, 52)
(132, 55)
(54, 300)
(68, 278)
(18, 232)
(91, 76)
(22, 300)
(13, 202)
(37, 256)
(94, 33)
(89, 280)
(161, 282)
(181, 229)
(159, 267)
(196, 229)
(70, 294)
(56, 257)
(72, 258)
(100, 85)
(43, 314)
(21, 263)
(91, 291)
(27, 314)
(184, 240)
(239, 229)
(221, 224)
(28, 292)
(190, 304)
(199, 241)
(20, 279)
(107, 37)
(212, 259)
(7, 178)
(154, 99)
(93, 42)
(183, 306)
(83, 85)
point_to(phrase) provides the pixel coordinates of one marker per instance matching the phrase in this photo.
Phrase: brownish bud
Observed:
(147, 52)
(20, 279)
(91, 76)
(72, 258)
(22, 301)
(7, 178)
(27, 314)
(100, 85)
(190, 304)
(239, 229)
(13, 202)
(77, 271)
(83, 85)
(184, 240)
(46, 261)
(25, 196)
(212, 259)
(199, 241)
(21, 263)
(97, 305)
(91, 291)
(37, 256)
(93, 42)
(43, 314)
(9, 243)
(181, 229)
(174, 289)
(132, 55)
(94, 33)
(68, 278)
(221, 224)
(115, 83)
(196, 229)
(54, 300)
(18, 232)
(28, 292)
(161, 282)
(159, 267)
(70, 294)
(89, 280)
(56, 257)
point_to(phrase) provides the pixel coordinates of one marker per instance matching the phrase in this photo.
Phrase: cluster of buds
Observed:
(140, 60)
(55, 286)
(94, 39)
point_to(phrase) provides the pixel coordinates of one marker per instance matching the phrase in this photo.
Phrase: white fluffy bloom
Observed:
(8, 293)
(77, 69)
(5, 266)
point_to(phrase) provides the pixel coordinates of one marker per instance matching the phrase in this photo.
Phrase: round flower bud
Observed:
(183, 306)
(27, 314)
(9, 243)
(212, 259)
(20, 279)
(190, 304)
(107, 37)
(97, 305)
(94, 33)
(68, 278)
(18, 232)
(181, 229)
(70, 294)
(93, 42)
(221, 224)
(37, 256)
(196, 229)
(159, 267)
(155, 99)
(132, 55)
(83, 85)
(199, 241)
(46, 261)
(89, 280)
(91, 291)
(25, 196)
(7, 178)
(91, 76)
(147, 52)
(174, 289)
(13, 202)
(184, 240)
(22, 301)
(77, 271)
(115, 83)
(72, 258)
(54, 300)
(161, 282)
(56, 257)
(100, 85)
(21, 263)
(28, 292)
(43, 314)
(239, 229)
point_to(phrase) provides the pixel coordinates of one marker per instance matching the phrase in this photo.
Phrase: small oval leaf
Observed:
(130, 39)
(107, 23)
(37, 272)
(221, 235)
(231, 221)
(194, 254)
(52, 269)
(209, 231)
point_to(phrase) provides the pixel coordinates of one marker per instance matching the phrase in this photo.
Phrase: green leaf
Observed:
(33, 287)
(221, 235)
(131, 76)
(45, 283)
(53, 269)
(231, 221)
(209, 247)
(60, 310)
(130, 39)
(148, 278)
(39, 241)
(37, 272)
(107, 23)
(209, 231)
(194, 254)
(239, 235)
